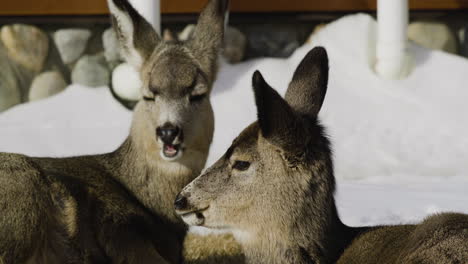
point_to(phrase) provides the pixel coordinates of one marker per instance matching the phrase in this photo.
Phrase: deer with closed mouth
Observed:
(118, 207)
(274, 190)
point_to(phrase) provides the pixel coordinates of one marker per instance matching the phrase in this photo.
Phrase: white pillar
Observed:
(126, 80)
(393, 60)
(150, 10)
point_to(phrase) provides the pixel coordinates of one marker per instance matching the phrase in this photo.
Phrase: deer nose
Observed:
(167, 133)
(180, 202)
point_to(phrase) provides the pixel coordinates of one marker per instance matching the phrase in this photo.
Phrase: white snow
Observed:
(77, 121)
(401, 147)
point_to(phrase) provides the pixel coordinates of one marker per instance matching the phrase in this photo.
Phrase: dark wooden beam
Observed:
(99, 7)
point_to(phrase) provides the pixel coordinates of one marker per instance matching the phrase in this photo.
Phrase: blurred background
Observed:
(395, 110)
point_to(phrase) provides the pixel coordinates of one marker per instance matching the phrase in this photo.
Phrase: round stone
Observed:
(71, 43)
(46, 84)
(91, 71)
(433, 35)
(26, 45)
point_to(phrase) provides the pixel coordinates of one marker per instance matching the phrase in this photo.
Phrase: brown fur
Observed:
(118, 207)
(274, 189)
(216, 249)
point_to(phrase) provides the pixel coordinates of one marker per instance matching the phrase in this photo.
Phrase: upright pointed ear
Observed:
(136, 36)
(308, 87)
(207, 39)
(276, 119)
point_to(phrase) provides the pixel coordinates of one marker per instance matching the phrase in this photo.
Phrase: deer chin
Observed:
(193, 218)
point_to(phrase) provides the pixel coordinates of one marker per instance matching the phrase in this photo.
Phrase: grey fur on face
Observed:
(267, 155)
(177, 76)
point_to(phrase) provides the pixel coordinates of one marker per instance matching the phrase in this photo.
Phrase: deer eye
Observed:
(196, 98)
(241, 165)
(151, 98)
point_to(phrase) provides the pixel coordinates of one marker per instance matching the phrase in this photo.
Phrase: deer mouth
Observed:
(171, 152)
(193, 218)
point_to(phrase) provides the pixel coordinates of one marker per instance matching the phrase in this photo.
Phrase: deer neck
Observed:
(313, 233)
(153, 181)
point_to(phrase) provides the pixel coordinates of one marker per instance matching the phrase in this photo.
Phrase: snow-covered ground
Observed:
(401, 147)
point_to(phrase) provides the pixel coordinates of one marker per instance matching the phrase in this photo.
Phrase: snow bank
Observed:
(78, 121)
(396, 203)
(409, 134)
(379, 128)
(409, 128)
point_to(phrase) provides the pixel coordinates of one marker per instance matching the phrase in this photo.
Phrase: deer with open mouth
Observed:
(274, 190)
(118, 207)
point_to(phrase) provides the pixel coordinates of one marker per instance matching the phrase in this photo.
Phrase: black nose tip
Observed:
(180, 202)
(167, 133)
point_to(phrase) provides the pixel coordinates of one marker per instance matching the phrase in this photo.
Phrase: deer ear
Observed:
(136, 36)
(168, 35)
(207, 39)
(276, 119)
(308, 87)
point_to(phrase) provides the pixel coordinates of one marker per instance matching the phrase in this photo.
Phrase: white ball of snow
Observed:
(126, 82)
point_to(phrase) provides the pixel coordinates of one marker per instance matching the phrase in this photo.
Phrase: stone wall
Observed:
(38, 62)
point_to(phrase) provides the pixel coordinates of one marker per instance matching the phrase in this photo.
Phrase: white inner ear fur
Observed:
(125, 26)
(200, 89)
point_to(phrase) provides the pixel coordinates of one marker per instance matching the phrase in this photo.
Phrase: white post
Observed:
(150, 10)
(393, 60)
(126, 80)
